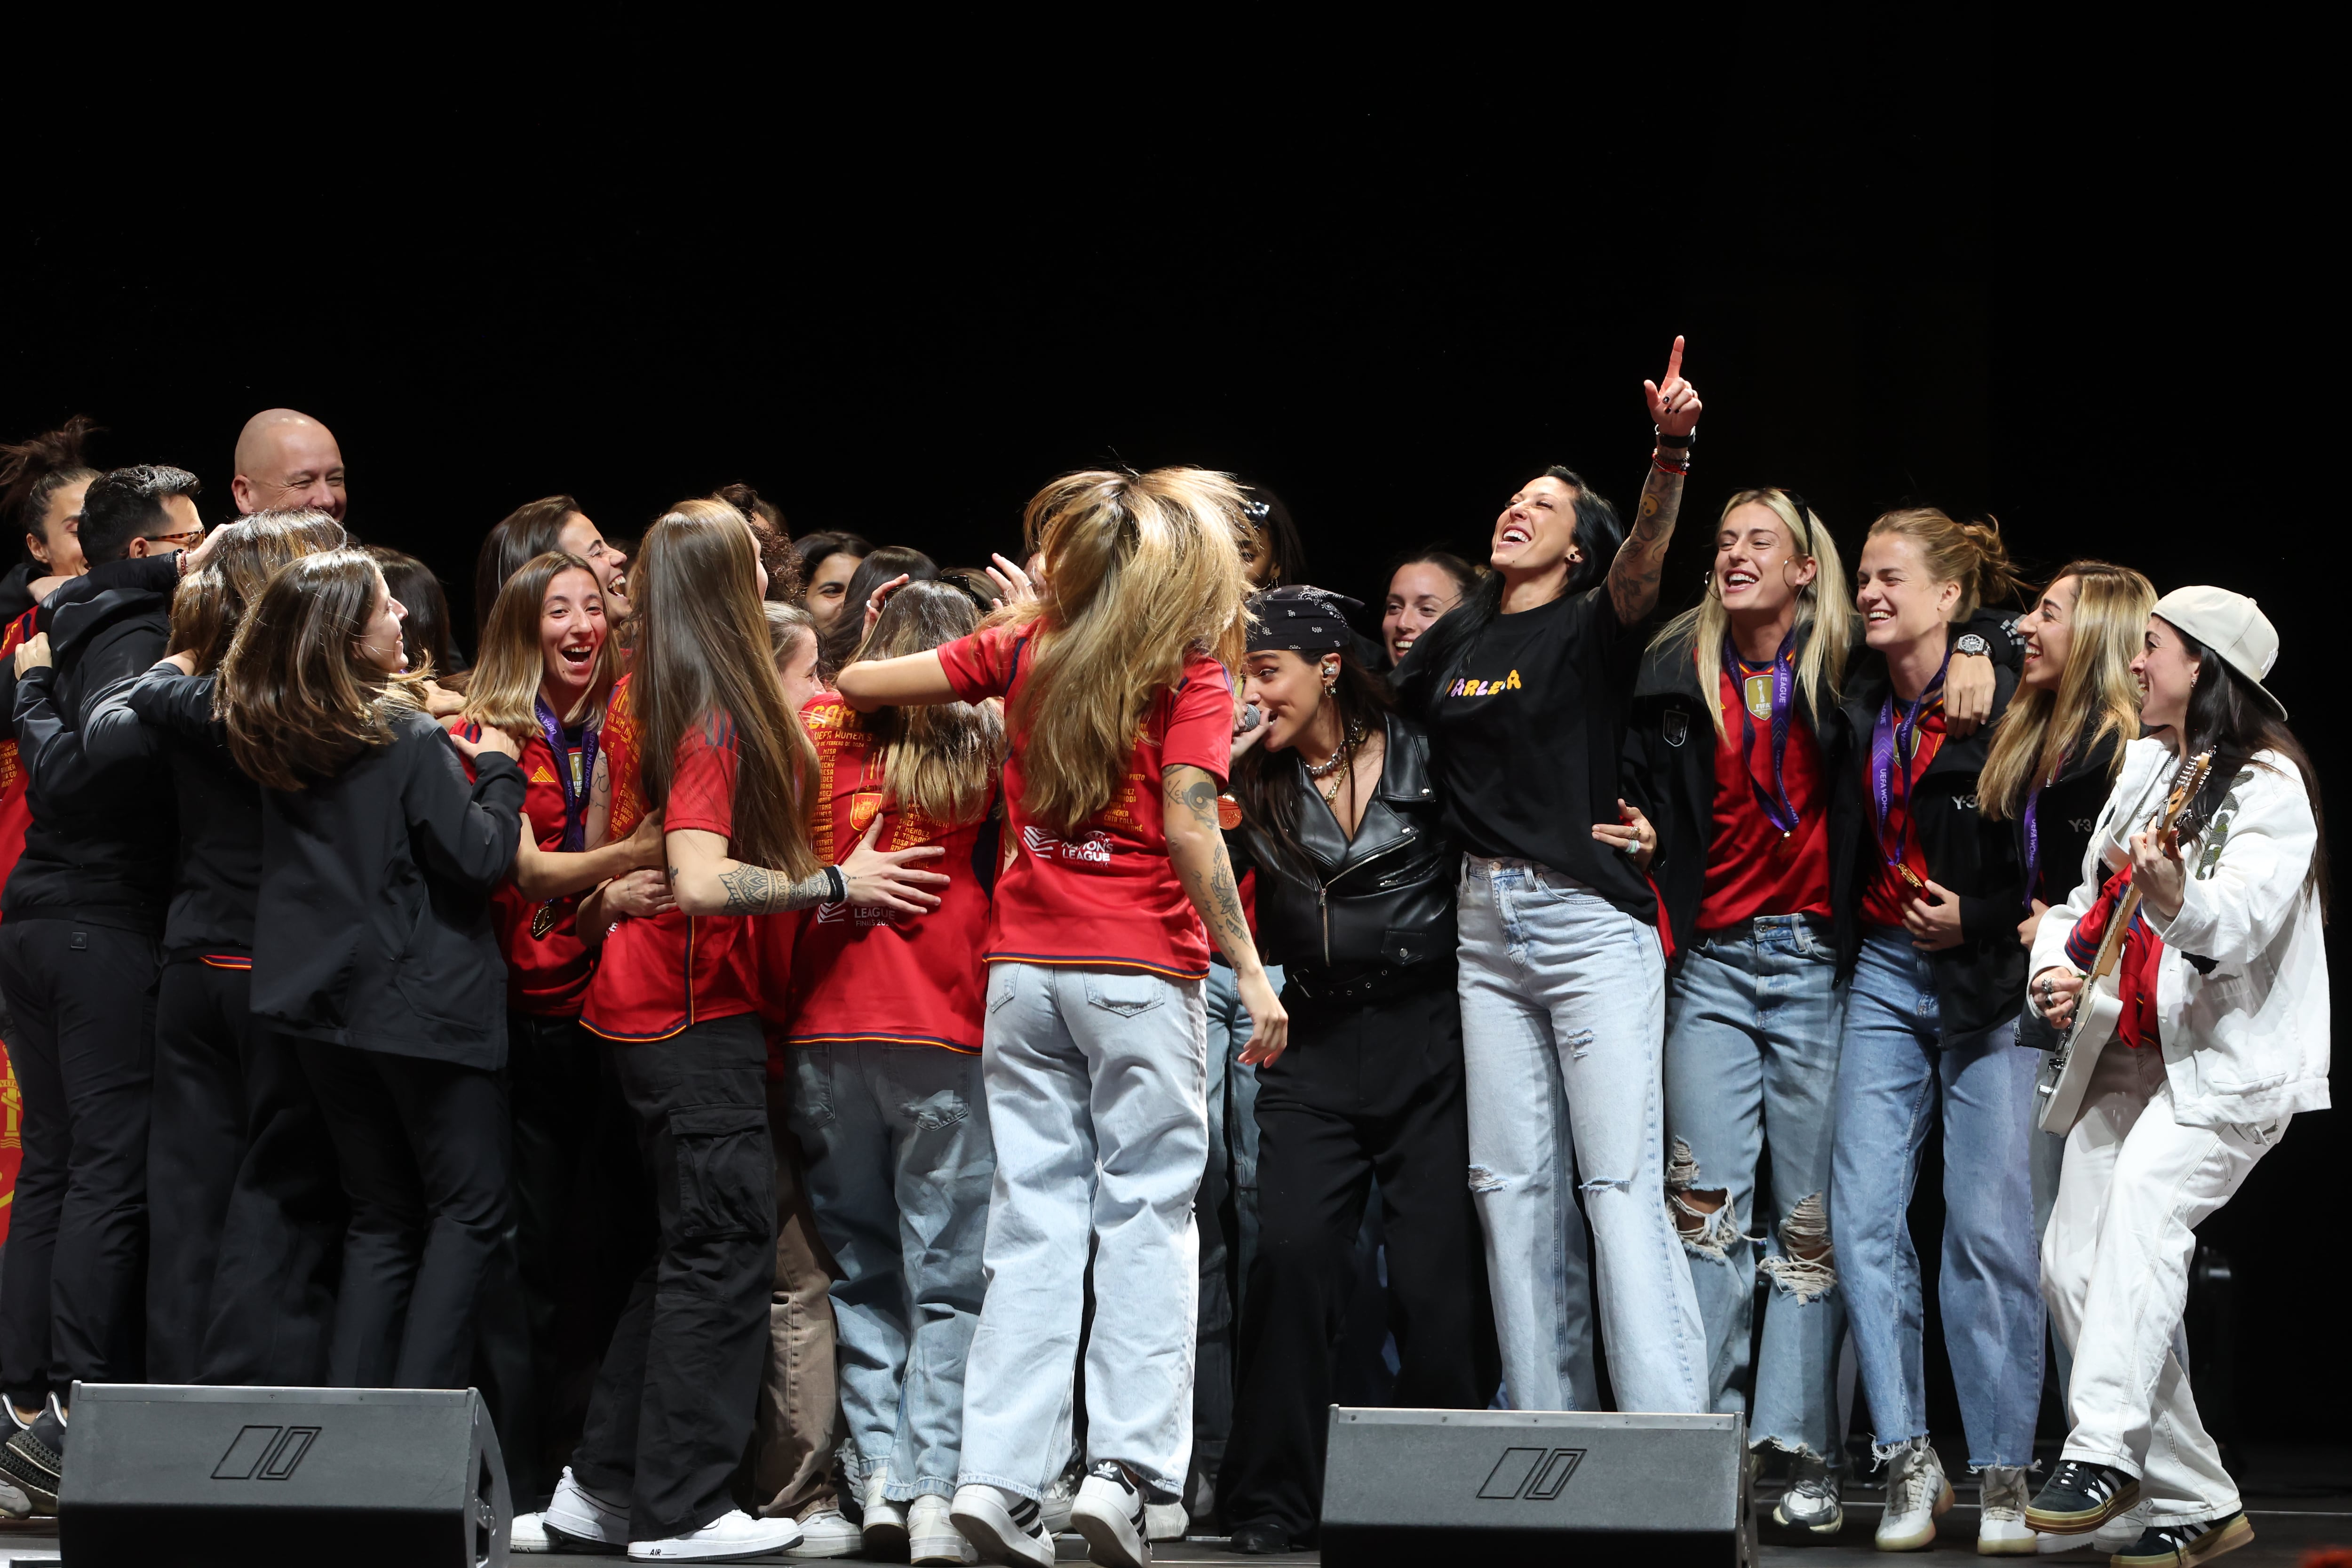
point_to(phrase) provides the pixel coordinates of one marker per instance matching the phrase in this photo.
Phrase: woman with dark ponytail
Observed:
(2223, 1040)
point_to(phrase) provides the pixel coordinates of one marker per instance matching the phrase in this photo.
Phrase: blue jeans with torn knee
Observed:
(1895, 1069)
(1562, 1004)
(1752, 1020)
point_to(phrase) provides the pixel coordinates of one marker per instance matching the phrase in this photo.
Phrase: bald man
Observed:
(286, 461)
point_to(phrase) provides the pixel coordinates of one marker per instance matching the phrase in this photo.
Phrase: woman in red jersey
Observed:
(886, 1021)
(712, 748)
(1119, 702)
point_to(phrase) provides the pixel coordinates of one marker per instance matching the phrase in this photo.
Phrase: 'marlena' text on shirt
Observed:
(1468, 687)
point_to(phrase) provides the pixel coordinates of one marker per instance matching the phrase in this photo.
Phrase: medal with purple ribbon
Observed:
(1894, 740)
(1773, 803)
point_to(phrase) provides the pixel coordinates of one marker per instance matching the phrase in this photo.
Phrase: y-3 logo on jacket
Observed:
(1469, 687)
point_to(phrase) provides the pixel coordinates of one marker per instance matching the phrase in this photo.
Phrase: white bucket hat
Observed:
(2233, 627)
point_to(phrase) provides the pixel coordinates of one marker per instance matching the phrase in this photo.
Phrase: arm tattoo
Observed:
(1215, 894)
(1633, 576)
(756, 890)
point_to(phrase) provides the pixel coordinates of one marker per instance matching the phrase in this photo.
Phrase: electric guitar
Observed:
(2066, 1073)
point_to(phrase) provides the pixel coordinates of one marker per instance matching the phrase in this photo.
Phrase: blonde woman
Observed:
(1928, 895)
(1119, 702)
(1735, 743)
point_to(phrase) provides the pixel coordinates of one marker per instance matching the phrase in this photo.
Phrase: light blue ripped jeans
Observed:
(1752, 1021)
(1562, 1014)
(899, 1163)
(1098, 1085)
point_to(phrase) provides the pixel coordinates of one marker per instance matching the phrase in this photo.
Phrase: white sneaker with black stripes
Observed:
(1110, 1514)
(1002, 1526)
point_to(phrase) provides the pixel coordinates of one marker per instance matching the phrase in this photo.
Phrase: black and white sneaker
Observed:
(1001, 1527)
(2079, 1497)
(1110, 1514)
(32, 1462)
(2182, 1545)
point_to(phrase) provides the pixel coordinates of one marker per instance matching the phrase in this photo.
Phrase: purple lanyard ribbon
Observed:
(575, 783)
(1775, 805)
(2033, 843)
(1891, 738)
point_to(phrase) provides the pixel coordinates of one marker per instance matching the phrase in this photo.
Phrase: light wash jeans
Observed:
(1229, 1184)
(899, 1163)
(1752, 1019)
(1894, 1068)
(2115, 1269)
(1562, 1014)
(1097, 1086)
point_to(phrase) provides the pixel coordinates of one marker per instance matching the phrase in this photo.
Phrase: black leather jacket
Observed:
(1373, 917)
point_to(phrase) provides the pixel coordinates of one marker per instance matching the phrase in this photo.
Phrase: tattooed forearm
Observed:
(756, 890)
(1209, 883)
(1634, 575)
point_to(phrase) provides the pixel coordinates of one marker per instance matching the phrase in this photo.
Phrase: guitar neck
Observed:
(2111, 947)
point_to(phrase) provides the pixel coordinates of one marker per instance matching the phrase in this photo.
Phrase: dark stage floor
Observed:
(2299, 1499)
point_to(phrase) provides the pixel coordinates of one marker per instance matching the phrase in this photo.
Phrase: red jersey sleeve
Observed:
(981, 665)
(1201, 720)
(702, 783)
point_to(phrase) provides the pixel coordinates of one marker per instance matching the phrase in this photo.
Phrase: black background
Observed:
(897, 285)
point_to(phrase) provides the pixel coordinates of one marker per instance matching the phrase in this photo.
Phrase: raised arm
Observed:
(916, 680)
(1196, 846)
(1633, 576)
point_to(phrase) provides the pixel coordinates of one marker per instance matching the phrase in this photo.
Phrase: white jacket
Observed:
(2247, 1043)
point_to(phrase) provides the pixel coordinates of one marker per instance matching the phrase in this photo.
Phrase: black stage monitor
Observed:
(1556, 1487)
(398, 1477)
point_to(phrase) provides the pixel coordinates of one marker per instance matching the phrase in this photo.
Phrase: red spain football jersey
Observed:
(546, 963)
(1752, 868)
(864, 974)
(1106, 898)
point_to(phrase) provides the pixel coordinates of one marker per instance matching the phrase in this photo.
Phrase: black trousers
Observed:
(423, 1148)
(1362, 1091)
(580, 1226)
(83, 998)
(246, 1215)
(680, 1390)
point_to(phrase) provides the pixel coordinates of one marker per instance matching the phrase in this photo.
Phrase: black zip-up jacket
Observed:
(1669, 766)
(2068, 810)
(98, 850)
(1372, 917)
(218, 873)
(1981, 981)
(373, 928)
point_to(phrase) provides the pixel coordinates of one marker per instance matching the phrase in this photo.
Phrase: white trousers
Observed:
(2114, 1272)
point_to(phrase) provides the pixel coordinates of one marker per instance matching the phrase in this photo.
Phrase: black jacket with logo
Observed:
(1355, 919)
(1981, 981)
(1670, 745)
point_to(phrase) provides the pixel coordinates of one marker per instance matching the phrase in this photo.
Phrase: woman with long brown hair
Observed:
(242, 1242)
(1119, 699)
(712, 748)
(883, 1042)
(374, 948)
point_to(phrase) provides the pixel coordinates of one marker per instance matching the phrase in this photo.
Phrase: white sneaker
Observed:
(1165, 1520)
(730, 1538)
(1811, 1506)
(886, 1521)
(1110, 1514)
(529, 1533)
(2001, 1530)
(1002, 1526)
(828, 1533)
(1916, 1494)
(931, 1535)
(577, 1519)
(1053, 1503)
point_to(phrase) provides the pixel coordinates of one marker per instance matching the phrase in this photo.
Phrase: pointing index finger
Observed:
(1675, 360)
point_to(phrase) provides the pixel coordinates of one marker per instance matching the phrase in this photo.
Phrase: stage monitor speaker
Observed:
(1557, 1487)
(384, 1478)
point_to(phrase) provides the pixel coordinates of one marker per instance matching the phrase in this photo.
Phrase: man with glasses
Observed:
(79, 925)
(288, 462)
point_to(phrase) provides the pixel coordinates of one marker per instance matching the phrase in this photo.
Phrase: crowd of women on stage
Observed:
(854, 1056)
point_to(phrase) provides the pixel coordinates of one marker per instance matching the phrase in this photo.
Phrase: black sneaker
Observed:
(2079, 1497)
(32, 1462)
(2179, 1545)
(1110, 1514)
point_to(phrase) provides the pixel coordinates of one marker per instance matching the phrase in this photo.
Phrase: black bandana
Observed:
(1301, 619)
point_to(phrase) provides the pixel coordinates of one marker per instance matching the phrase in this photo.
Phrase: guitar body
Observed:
(2066, 1074)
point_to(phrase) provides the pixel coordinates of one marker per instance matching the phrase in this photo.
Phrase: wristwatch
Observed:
(1969, 642)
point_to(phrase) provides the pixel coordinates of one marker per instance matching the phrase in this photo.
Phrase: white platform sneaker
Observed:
(732, 1537)
(1001, 1527)
(886, 1521)
(1916, 1496)
(828, 1533)
(931, 1534)
(2001, 1530)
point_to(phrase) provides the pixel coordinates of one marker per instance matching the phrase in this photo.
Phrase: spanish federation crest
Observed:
(1675, 726)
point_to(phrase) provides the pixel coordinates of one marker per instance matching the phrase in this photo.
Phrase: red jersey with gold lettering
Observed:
(659, 974)
(868, 975)
(1107, 897)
